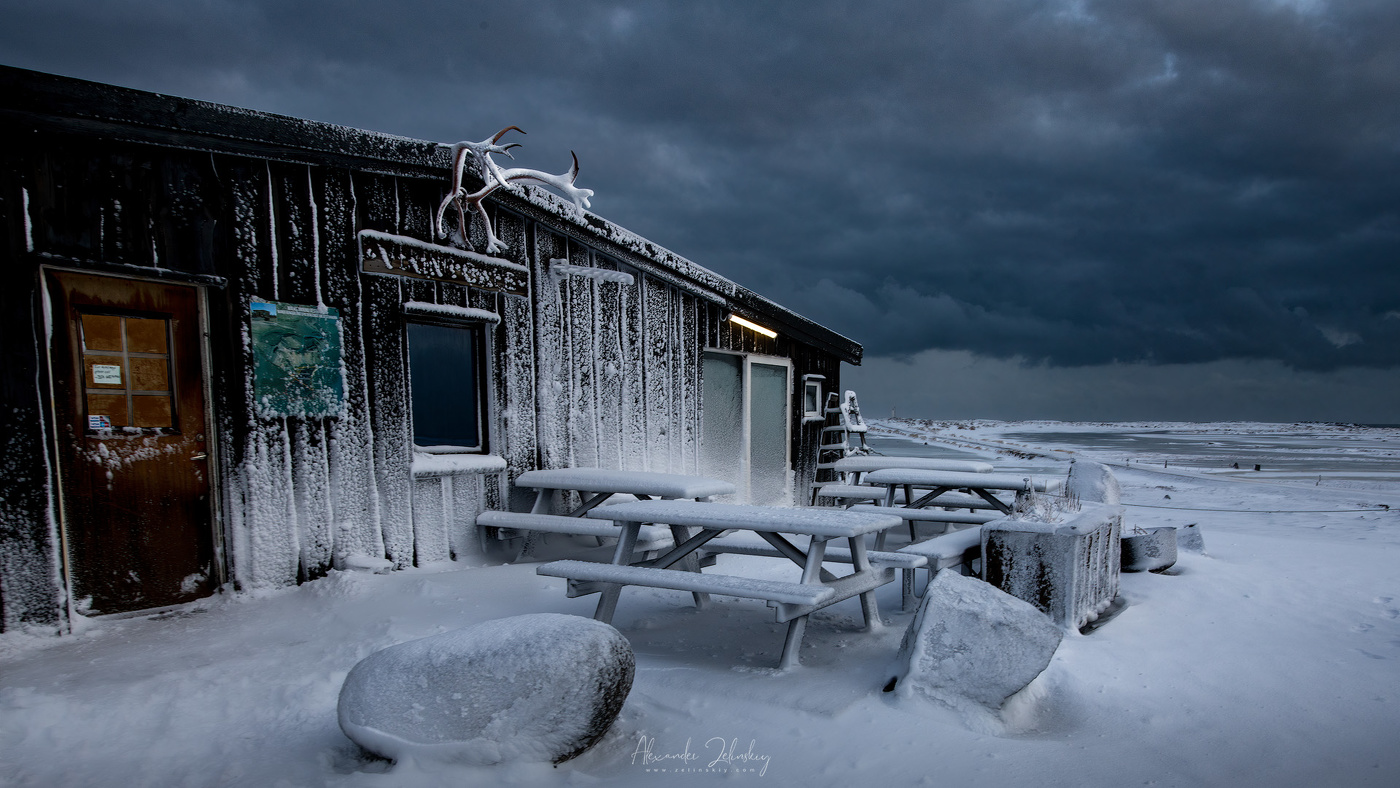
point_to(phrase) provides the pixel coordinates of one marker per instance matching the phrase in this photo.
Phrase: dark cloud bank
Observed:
(1075, 209)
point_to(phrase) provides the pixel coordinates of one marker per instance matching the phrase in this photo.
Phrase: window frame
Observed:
(812, 383)
(481, 340)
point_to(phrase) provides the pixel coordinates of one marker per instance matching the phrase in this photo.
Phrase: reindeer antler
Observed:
(496, 178)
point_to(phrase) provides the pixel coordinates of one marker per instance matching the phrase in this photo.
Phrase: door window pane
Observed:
(722, 436)
(444, 381)
(126, 372)
(768, 433)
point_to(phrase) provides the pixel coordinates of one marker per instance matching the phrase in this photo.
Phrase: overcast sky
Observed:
(1184, 209)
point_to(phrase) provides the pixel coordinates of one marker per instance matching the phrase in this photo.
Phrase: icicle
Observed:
(315, 239)
(272, 229)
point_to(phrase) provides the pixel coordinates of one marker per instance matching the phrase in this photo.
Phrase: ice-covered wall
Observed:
(584, 370)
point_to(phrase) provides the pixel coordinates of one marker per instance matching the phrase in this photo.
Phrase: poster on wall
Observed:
(297, 370)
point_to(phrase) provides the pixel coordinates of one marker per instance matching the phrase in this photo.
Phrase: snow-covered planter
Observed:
(540, 688)
(1149, 549)
(1188, 538)
(1069, 570)
(970, 641)
(1093, 482)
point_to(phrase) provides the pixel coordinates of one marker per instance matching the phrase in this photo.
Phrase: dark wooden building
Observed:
(236, 355)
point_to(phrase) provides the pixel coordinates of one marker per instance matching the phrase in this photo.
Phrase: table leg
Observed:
(793, 643)
(861, 563)
(691, 563)
(541, 506)
(607, 599)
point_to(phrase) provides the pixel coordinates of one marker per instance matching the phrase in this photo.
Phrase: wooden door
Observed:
(133, 459)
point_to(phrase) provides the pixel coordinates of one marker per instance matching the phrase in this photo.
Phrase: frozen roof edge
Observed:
(96, 107)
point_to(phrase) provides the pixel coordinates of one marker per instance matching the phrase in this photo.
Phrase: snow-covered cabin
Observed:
(222, 330)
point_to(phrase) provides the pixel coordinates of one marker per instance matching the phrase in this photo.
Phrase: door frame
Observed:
(54, 449)
(746, 430)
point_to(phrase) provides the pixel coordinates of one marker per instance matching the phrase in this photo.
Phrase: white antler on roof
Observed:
(495, 178)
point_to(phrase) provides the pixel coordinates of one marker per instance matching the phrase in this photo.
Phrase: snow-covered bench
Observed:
(957, 549)
(839, 555)
(849, 492)
(915, 516)
(586, 577)
(509, 525)
(793, 601)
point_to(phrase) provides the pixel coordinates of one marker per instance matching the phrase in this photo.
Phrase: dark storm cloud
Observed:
(1167, 182)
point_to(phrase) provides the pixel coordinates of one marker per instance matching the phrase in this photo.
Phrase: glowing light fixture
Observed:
(767, 332)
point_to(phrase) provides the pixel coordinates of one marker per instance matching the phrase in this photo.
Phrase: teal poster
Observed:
(296, 360)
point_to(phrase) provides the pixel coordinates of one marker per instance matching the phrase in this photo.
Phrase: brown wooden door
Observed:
(129, 412)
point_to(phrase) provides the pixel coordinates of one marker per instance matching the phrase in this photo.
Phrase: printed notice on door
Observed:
(296, 360)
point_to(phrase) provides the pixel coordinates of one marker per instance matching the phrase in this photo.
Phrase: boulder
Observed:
(1149, 549)
(540, 688)
(1093, 482)
(970, 641)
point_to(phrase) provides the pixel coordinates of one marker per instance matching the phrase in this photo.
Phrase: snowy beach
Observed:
(1272, 660)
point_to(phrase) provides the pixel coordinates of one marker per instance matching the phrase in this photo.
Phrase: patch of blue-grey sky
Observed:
(1192, 186)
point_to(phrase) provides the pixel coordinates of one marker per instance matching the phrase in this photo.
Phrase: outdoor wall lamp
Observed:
(767, 332)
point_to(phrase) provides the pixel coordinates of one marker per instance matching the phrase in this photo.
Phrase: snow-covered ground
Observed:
(1272, 660)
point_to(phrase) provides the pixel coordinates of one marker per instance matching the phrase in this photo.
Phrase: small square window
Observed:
(812, 399)
(446, 376)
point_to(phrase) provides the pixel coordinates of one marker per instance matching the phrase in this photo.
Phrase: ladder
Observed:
(843, 435)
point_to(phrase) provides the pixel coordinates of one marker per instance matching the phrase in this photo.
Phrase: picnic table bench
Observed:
(792, 601)
(595, 486)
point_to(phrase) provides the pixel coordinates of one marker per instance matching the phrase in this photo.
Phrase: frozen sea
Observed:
(1271, 660)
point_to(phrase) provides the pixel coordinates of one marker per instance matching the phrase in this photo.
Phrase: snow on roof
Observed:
(202, 125)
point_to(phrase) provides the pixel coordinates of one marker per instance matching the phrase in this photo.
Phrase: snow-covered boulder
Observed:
(540, 688)
(972, 642)
(1093, 482)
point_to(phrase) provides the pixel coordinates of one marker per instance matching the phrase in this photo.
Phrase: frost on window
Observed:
(722, 439)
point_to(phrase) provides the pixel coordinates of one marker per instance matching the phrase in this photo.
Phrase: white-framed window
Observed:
(812, 397)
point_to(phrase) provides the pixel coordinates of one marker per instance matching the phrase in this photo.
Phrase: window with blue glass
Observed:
(446, 373)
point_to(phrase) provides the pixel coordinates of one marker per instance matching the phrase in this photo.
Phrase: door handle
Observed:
(199, 456)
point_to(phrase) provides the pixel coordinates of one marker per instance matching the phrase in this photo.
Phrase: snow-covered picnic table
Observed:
(851, 469)
(595, 486)
(939, 483)
(603, 483)
(793, 600)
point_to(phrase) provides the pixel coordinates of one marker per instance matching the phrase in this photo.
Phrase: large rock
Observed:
(1093, 482)
(530, 688)
(970, 641)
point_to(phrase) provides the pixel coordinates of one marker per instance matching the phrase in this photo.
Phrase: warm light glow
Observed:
(767, 332)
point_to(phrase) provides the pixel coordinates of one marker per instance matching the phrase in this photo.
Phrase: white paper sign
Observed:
(107, 373)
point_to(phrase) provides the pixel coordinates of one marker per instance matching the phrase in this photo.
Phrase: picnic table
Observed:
(851, 468)
(595, 486)
(939, 483)
(793, 601)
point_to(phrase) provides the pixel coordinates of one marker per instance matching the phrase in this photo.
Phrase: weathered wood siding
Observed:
(582, 371)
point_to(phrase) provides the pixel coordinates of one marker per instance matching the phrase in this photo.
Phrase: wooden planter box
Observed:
(1068, 570)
